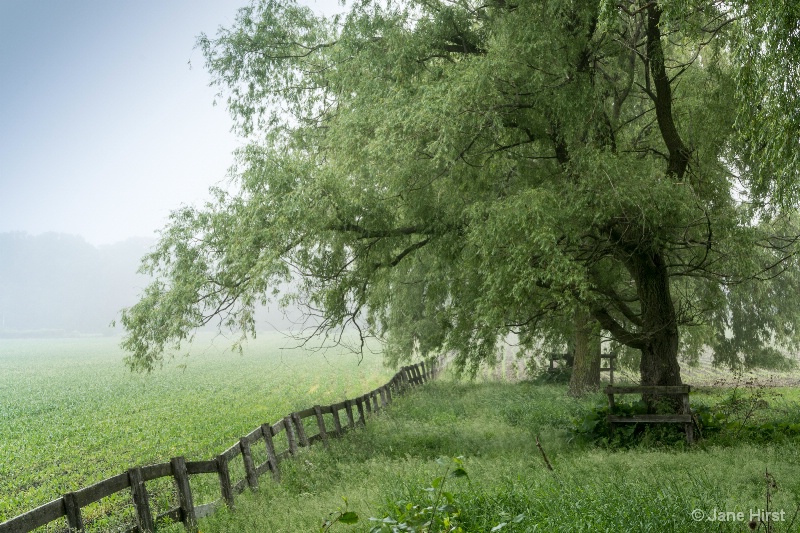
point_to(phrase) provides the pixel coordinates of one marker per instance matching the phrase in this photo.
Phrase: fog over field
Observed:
(56, 284)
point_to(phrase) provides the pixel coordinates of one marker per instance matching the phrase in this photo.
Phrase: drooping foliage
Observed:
(442, 174)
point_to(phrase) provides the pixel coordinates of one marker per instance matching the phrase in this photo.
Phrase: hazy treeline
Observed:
(55, 284)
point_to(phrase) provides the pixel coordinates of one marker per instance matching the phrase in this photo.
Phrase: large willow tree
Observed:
(444, 173)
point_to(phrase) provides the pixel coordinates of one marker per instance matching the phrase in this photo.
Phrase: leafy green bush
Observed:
(428, 510)
(593, 427)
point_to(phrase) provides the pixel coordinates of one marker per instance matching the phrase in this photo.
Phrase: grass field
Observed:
(649, 488)
(71, 414)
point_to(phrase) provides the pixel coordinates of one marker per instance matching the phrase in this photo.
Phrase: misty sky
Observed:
(104, 126)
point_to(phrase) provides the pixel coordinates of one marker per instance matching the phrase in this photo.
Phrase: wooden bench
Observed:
(685, 417)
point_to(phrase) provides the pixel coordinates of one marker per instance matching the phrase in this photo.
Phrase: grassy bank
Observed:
(493, 426)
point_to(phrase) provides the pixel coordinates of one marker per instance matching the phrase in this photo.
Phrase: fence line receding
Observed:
(356, 412)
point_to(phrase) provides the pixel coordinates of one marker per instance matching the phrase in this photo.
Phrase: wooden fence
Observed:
(356, 412)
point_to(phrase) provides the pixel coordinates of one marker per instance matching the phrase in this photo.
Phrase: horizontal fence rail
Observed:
(356, 412)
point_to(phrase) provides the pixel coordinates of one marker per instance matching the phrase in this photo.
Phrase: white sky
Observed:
(104, 127)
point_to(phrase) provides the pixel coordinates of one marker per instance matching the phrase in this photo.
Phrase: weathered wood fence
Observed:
(568, 358)
(356, 412)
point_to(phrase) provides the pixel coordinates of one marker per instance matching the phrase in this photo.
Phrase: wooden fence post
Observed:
(382, 392)
(321, 424)
(266, 429)
(373, 397)
(360, 405)
(74, 518)
(407, 377)
(337, 423)
(367, 402)
(348, 407)
(424, 372)
(301, 431)
(225, 480)
(287, 425)
(144, 518)
(388, 389)
(249, 467)
(185, 499)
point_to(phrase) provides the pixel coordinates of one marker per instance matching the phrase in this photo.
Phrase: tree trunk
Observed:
(586, 364)
(659, 364)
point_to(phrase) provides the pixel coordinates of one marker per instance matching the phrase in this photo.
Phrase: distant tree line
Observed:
(60, 285)
(57, 284)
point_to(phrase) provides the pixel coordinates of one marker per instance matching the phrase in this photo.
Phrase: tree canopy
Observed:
(444, 173)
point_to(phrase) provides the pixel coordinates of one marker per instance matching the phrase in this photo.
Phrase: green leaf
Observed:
(459, 472)
(348, 518)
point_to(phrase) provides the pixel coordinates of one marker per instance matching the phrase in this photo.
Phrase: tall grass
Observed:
(494, 426)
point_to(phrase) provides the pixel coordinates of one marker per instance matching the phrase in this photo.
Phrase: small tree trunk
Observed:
(586, 364)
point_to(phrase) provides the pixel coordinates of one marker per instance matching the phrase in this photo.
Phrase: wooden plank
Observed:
(254, 435)
(249, 467)
(173, 514)
(424, 371)
(321, 424)
(151, 472)
(42, 515)
(144, 518)
(272, 462)
(306, 413)
(201, 467)
(262, 469)
(231, 453)
(299, 429)
(73, 511)
(224, 474)
(202, 511)
(102, 489)
(185, 500)
(239, 487)
(649, 389)
(348, 408)
(326, 409)
(649, 418)
(277, 427)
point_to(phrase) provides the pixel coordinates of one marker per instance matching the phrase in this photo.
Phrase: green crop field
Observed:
(71, 414)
